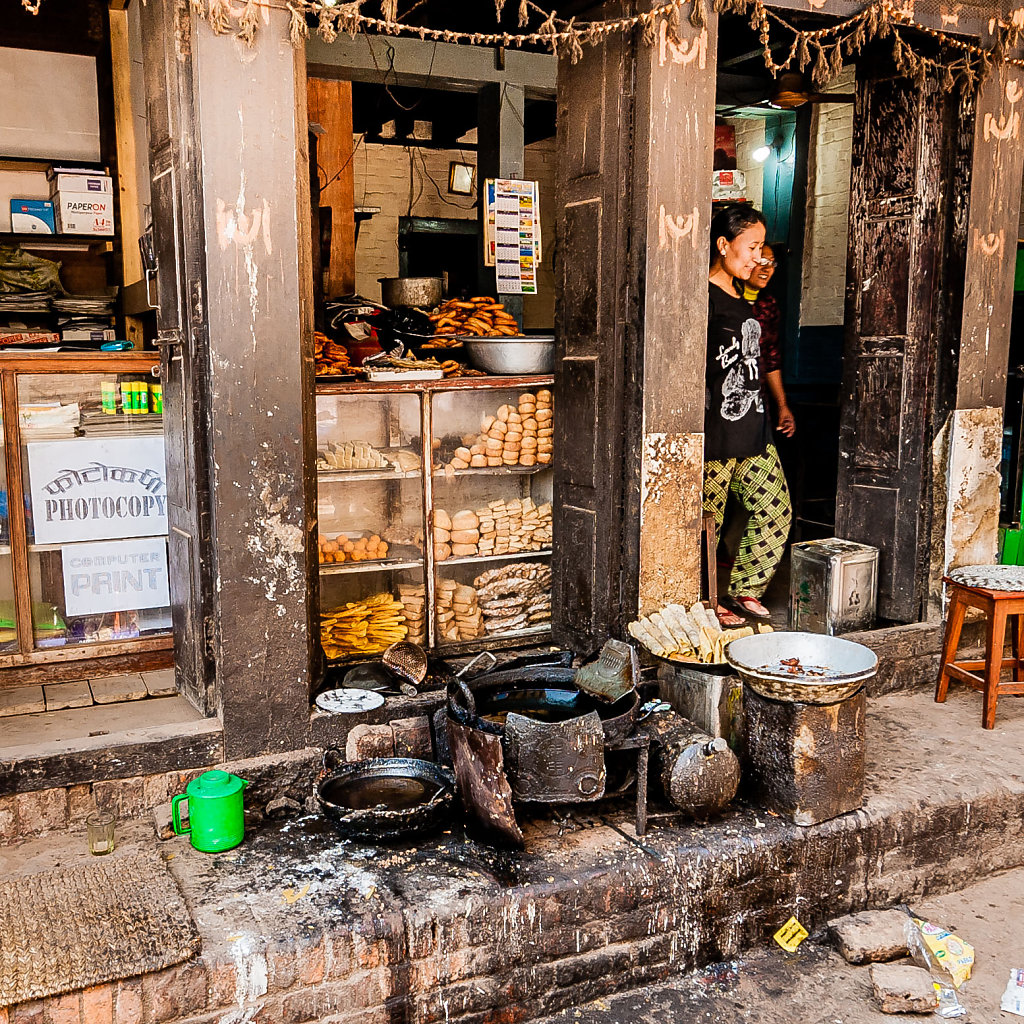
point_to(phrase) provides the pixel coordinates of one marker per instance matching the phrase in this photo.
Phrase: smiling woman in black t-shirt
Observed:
(739, 457)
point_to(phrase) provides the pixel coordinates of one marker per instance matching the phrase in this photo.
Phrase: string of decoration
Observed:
(823, 49)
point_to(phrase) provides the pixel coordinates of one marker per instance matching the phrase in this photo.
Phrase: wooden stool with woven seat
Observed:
(998, 591)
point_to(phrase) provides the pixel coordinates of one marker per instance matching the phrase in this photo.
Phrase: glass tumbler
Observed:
(101, 832)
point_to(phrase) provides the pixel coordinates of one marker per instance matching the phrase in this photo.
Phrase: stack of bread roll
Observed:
(499, 528)
(458, 613)
(515, 436)
(514, 597)
(413, 598)
(455, 536)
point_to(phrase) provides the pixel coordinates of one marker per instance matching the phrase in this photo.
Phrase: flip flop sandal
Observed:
(740, 604)
(727, 619)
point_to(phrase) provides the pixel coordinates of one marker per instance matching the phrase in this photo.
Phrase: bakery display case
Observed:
(83, 508)
(434, 513)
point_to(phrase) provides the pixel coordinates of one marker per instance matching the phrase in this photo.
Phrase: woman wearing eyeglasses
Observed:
(769, 316)
(739, 457)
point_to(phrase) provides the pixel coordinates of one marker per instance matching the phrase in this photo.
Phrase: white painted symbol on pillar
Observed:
(679, 50)
(672, 230)
(991, 244)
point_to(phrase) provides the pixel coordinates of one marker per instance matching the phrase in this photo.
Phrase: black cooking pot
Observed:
(543, 692)
(386, 799)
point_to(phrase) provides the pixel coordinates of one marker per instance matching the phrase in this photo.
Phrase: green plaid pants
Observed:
(760, 486)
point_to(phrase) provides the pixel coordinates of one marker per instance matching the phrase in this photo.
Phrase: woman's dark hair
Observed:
(731, 221)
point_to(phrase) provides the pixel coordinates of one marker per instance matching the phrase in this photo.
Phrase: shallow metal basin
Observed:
(758, 658)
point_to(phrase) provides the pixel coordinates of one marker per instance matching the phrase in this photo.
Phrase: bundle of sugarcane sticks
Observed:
(369, 626)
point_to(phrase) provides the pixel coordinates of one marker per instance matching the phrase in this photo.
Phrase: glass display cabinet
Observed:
(434, 513)
(83, 508)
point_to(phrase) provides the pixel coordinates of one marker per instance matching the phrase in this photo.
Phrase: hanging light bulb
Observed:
(761, 154)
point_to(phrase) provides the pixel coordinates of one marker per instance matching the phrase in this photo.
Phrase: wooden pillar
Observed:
(994, 211)
(330, 106)
(500, 154)
(230, 203)
(124, 128)
(635, 127)
(969, 447)
(675, 127)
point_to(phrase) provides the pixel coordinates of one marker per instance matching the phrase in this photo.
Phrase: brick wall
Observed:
(828, 204)
(750, 136)
(414, 182)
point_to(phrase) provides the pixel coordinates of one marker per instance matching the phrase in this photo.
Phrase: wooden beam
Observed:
(997, 166)
(128, 191)
(415, 62)
(330, 105)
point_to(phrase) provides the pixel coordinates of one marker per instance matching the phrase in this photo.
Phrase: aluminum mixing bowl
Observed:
(512, 357)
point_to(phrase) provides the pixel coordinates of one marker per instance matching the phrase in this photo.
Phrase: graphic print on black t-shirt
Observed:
(737, 394)
(735, 425)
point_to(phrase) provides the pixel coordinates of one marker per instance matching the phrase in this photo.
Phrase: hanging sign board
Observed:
(114, 576)
(97, 488)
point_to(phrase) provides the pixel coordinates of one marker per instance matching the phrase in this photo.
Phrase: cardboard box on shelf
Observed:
(80, 181)
(83, 334)
(85, 213)
(32, 216)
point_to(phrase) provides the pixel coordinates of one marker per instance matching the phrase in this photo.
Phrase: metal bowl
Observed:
(511, 357)
(757, 659)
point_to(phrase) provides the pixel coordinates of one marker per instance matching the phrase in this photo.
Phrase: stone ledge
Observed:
(300, 925)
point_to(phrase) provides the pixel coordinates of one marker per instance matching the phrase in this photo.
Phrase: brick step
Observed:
(299, 926)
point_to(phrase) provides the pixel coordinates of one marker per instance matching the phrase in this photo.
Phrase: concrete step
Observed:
(451, 930)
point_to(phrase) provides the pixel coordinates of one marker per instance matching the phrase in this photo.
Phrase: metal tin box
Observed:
(833, 586)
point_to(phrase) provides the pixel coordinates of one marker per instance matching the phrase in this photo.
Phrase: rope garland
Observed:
(823, 49)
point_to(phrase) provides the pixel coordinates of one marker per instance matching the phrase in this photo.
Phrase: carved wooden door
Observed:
(899, 337)
(177, 236)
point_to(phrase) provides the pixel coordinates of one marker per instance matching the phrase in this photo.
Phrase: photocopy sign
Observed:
(97, 488)
(115, 576)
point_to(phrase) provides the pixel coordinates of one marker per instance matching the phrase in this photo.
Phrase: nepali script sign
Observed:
(97, 488)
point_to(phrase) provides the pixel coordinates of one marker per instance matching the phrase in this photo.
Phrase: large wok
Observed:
(546, 693)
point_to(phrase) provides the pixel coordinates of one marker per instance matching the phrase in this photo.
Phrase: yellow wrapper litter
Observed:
(949, 951)
(790, 935)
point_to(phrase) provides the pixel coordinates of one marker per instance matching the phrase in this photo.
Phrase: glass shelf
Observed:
(382, 565)
(511, 556)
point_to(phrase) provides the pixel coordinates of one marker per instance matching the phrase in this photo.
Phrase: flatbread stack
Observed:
(515, 597)
(688, 635)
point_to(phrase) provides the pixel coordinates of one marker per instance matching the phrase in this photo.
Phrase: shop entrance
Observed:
(854, 180)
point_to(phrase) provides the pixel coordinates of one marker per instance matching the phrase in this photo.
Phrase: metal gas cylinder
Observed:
(698, 772)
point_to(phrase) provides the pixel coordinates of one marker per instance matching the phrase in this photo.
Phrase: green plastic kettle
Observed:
(215, 819)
